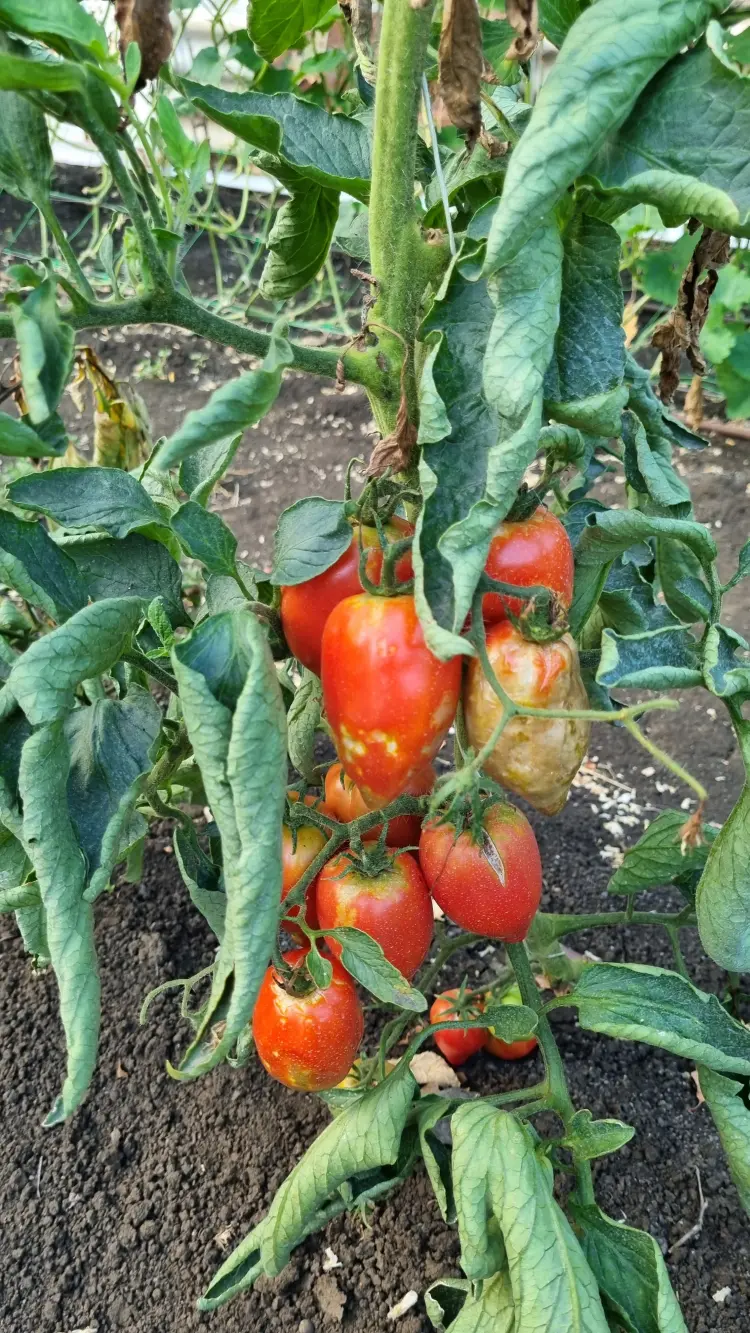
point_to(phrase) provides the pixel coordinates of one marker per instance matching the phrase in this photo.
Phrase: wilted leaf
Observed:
(461, 62)
(523, 15)
(681, 330)
(145, 22)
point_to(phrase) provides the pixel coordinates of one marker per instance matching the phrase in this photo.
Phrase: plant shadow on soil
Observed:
(117, 1219)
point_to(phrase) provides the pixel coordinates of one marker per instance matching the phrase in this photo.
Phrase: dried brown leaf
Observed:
(523, 16)
(693, 412)
(680, 332)
(431, 1070)
(461, 62)
(394, 450)
(145, 22)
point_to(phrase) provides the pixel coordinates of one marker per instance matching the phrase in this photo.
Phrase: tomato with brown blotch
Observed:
(392, 904)
(297, 854)
(510, 1050)
(491, 887)
(347, 803)
(389, 701)
(535, 757)
(458, 1045)
(305, 607)
(307, 1040)
(534, 552)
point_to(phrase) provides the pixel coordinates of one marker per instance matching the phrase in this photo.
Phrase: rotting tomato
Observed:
(510, 1050)
(388, 699)
(459, 1045)
(491, 887)
(305, 607)
(346, 801)
(384, 895)
(535, 551)
(305, 1037)
(535, 757)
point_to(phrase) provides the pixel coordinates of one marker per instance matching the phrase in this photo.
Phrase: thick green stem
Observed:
(556, 926)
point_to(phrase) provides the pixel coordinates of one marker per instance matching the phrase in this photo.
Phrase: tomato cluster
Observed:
(389, 703)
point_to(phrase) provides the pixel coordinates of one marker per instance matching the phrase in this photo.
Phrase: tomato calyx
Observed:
(294, 979)
(371, 859)
(393, 551)
(543, 619)
(526, 503)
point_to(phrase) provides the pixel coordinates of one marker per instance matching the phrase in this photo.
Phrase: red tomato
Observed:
(305, 607)
(456, 1046)
(510, 1050)
(388, 700)
(393, 907)
(347, 803)
(308, 1040)
(493, 887)
(535, 551)
(294, 863)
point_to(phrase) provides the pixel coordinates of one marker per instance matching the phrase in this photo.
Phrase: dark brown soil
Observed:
(117, 1219)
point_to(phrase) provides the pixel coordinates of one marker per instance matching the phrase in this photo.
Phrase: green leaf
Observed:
(659, 271)
(357, 1142)
(133, 566)
(311, 535)
(14, 732)
(587, 1138)
(24, 67)
(608, 58)
(25, 154)
(634, 1002)
(632, 1275)
(274, 28)
(651, 411)
(471, 180)
(681, 577)
(497, 36)
(53, 849)
(92, 497)
(724, 674)
(303, 720)
(200, 471)
(723, 895)
(657, 857)
(743, 567)
(510, 1022)
(203, 880)
(45, 350)
(111, 746)
(230, 410)
(556, 17)
(235, 720)
(648, 464)
(179, 147)
(486, 1309)
(299, 241)
(320, 968)
(436, 1151)
(627, 601)
(299, 141)
(364, 959)
(660, 659)
(14, 865)
(64, 25)
(497, 1175)
(206, 537)
(45, 677)
(651, 159)
(38, 569)
(733, 376)
(17, 440)
(727, 1100)
(469, 478)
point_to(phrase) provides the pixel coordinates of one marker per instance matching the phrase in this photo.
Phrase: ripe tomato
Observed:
(305, 607)
(308, 1040)
(388, 700)
(509, 1050)
(535, 551)
(535, 757)
(294, 863)
(347, 803)
(456, 1046)
(493, 887)
(393, 906)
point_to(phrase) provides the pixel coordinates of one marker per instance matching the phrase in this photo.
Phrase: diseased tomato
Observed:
(305, 607)
(393, 906)
(510, 1050)
(308, 1040)
(492, 887)
(294, 863)
(456, 1046)
(535, 757)
(347, 803)
(388, 699)
(536, 551)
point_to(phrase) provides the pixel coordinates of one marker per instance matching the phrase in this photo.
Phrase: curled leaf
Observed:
(681, 330)
(394, 450)
(145, 22)
(461, 62)
(523, 16)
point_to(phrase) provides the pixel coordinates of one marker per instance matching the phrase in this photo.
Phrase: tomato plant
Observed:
(149, 674)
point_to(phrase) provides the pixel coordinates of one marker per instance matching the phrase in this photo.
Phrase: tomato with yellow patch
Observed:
(510, 1050)
(388, 699)
(307, 1040)
(535, 552)
(347, 803)
(393, 906)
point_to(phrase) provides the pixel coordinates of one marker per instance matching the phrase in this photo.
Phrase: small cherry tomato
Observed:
(305, 1037)
(509, 1050)
(347, 803)
(535, 757)
(536, 551)
(392, 905)
(294, 863)
(492, 887)
(388, 699)
(305, 607)
(456, 1046)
